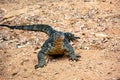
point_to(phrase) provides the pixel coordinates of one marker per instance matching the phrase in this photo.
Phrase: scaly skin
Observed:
(56, 44)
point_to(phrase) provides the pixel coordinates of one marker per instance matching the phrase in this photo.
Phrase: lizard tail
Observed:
(4, 25)
(39, 27)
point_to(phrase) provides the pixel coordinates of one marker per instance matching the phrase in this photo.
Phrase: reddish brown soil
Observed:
(96, 22)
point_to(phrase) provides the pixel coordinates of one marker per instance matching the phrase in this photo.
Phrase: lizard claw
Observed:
(37, 66)
(40, 65)
(75, 58)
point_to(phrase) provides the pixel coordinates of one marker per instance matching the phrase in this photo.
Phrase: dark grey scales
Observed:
(56, 44)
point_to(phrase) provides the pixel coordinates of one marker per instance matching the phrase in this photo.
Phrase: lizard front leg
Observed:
(71, 52)
(41, 60)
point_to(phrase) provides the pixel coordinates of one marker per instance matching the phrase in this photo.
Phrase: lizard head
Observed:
(71, 37)
(58, 36)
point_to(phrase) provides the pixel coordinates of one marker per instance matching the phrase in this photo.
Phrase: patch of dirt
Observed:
(96, 22)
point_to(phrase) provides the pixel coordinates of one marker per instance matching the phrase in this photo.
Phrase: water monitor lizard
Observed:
(58, 42)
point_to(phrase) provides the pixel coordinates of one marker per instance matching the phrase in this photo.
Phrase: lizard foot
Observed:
(74, 58)
(40, 65)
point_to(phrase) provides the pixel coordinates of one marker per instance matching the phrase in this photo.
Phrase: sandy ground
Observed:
(96, 22)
